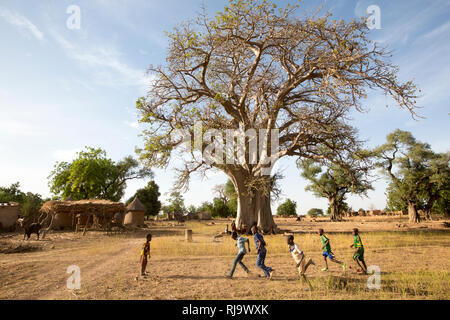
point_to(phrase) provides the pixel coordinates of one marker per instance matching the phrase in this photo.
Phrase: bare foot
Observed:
(271, 274)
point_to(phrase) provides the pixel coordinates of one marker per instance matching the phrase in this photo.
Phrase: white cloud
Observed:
(61, 40)
(436, 32)
(104, 62)
(398, 28)
(20, 21)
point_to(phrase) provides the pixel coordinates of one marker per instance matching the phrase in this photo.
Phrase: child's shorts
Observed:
(328, 254)
(359, 255)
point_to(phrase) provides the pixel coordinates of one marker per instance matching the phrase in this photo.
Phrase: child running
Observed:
(299, 257)
(261, 251)
(327, 253)
(145, 254)
(240, 243)
(358, 256)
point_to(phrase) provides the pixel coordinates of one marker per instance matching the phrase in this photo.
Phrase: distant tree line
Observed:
(30, 203)
(419, 179)
(223, 205)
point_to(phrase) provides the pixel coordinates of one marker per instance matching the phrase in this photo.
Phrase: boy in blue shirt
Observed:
(240, 243)
(261, 251)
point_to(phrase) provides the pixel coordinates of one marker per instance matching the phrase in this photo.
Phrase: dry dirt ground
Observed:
(413, 259)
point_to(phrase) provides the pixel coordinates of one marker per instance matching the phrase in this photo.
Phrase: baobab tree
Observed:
(256, 67)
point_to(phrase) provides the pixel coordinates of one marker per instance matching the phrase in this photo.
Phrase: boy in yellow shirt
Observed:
(358, 255)
(145, 254)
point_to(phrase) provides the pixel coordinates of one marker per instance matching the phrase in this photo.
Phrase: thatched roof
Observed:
(83, 206)
(136, 205)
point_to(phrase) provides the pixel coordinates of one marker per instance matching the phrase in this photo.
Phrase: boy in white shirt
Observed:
(299, 257)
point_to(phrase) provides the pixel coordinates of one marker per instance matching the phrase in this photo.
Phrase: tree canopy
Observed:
(175, 203)
(30, 203)
(258, 67)
(92, 175)
(315, 212)
(149, 197)
(287, 208)
(419, 177)
(334, 182)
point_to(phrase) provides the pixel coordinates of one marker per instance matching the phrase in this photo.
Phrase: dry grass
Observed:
(414, 265)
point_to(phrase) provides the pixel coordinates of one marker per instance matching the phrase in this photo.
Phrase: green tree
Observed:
(334, 182)
(149, 196)
(220, 208)
(287, 208)
(30, 203)
(94, 176)
(206, 207)
(442, 204)
(435, 189)
(418, 176)
(233, 207)
(394, 200)
(315, 212)
(192, 209)
(175, 203)
(232, 203)
(341, 208)
(227, 194)
(255, 67)
(11, 193)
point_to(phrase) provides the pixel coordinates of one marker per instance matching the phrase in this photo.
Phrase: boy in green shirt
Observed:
(327, 251)
(358, 256)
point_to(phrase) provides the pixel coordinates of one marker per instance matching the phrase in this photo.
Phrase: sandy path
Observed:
(95, 272)
(42, 275)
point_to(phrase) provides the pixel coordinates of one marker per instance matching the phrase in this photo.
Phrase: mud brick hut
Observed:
(204, 216)
(176, 216)
(9, 213)
(95, 214)
(135, 213)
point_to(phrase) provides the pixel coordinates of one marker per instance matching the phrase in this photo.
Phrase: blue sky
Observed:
(62, 89)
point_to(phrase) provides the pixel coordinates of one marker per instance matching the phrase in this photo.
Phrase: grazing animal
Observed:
(32, 228)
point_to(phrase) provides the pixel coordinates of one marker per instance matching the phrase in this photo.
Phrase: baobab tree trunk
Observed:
(412, 213)
(334, 208)
(253, 206)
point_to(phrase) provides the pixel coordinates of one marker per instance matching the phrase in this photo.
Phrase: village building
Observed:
(204, 216)
(94, 214)
(135, 215)
(9, 213)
